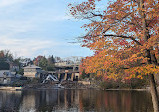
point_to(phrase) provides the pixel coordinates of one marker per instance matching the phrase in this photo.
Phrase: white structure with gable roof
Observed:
(32, 71)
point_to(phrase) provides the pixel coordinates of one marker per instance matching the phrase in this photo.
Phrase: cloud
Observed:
(5, 3)
(36, 27)
(25, 47)
(16, 25)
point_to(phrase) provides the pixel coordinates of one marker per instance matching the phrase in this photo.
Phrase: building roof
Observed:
(31, 66)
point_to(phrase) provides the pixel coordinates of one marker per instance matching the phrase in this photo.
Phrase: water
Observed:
(75, 101)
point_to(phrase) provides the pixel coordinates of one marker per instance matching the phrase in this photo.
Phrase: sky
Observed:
(29, 28)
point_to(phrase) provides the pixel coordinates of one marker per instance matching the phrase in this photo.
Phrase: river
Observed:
(75, 101)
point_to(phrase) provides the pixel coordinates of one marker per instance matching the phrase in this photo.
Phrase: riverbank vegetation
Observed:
(102, 83)
(128, 84)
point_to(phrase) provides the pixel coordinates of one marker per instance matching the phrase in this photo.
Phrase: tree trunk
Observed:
(151, 57)
(154, 93)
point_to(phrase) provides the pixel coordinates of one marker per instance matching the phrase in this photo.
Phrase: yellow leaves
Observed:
(134, 55)
(112, 63)
(140, 76)
(140, 71)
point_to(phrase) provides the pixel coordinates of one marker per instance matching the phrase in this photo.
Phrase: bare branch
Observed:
(96, 14)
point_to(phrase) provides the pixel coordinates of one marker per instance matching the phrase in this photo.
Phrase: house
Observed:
(32, 71)
(14, 67)
(6, 77)
(25, 62)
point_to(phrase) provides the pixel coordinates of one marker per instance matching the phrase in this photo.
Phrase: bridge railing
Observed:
(64, 71)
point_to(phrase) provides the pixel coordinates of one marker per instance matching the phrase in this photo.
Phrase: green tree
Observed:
(43, 63)
(5, 58)
(6, 55)
(51, 63)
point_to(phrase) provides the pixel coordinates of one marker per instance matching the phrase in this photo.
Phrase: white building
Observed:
(32, 71)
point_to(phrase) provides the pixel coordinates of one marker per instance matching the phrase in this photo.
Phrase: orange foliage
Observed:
(37, 60)
(121, 35)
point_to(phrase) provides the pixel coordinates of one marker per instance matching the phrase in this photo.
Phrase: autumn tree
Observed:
(124, 36)
(36, 61)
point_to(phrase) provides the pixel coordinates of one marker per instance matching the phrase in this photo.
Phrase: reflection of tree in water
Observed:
(10, 101)
(75, 100)
(87, 100)
(127, 101)
(144, 100)
(115, 101)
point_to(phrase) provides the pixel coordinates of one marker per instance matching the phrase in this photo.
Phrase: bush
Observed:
(84, 75)
(126, 84)
(19, 83)
(35, 80)
(109, 84)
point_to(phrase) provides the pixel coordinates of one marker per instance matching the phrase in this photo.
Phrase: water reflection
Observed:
(116, 101)
(75, 101)
(10, 100)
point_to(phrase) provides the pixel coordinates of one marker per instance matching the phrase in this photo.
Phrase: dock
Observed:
(10, 88)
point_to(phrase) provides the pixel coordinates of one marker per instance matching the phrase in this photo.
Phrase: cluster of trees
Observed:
(125, 38)
(6, 57)
(47, 64)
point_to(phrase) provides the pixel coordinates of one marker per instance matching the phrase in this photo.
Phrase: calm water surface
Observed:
(75, 101)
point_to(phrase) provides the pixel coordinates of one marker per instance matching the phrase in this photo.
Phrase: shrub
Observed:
(126, 84)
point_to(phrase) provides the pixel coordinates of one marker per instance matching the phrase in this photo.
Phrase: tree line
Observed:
(46, 63)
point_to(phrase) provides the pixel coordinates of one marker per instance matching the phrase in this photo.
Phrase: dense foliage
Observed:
(47, 64)
(124, 37)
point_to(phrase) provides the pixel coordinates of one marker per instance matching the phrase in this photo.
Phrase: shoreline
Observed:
(68, 86)
(9, 88)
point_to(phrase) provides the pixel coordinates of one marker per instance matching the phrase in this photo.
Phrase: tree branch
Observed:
(122, 36)
(118, 20)
(96, 14)
(150, 21)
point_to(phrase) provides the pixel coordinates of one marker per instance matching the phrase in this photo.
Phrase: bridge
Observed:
(67, 72)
